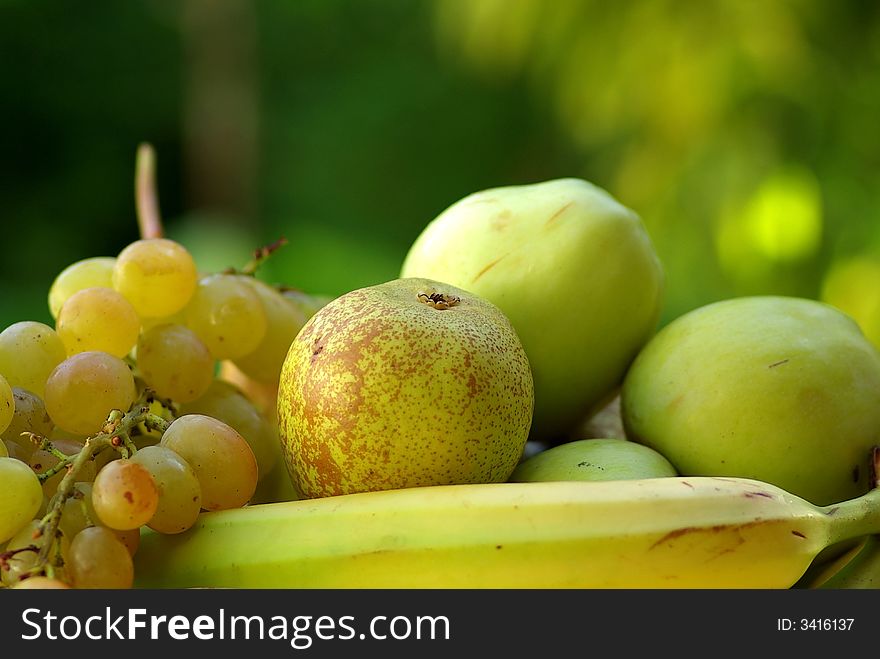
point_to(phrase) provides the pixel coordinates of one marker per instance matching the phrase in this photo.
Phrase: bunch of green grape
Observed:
(151, 401)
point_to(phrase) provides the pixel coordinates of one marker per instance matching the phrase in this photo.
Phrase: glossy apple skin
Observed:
(574, 271)
(784, 390)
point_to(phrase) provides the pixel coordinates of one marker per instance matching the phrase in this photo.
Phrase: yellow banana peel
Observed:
(683, 532)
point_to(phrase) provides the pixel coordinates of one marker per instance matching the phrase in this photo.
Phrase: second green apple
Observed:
(575, 272)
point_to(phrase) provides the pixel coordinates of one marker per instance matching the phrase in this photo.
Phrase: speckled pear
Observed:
(404, 384)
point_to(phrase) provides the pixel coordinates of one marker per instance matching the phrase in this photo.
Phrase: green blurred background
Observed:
(744, 133)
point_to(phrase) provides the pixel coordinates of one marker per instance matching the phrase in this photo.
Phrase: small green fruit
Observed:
(404, 384)
(307, 304)
(784, 390)
(594, 460)
(574, 270)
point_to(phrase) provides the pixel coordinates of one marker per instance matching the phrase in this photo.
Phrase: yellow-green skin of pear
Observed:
(573, 270)
(783, 390)
(381, 390)
(593, 460)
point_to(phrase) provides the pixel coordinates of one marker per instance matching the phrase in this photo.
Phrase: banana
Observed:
(680, 532)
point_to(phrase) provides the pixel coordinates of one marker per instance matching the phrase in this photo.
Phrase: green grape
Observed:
(4, 452)
(307, 304)
(30, 416)
(29, 351)
(98, 319)
(221, 459)
(143, 436)
(264, 395)
(178, 318)
(174, 362)
(22, 561)
(96, 271)
(227, 315)
(158, 276)
(276, 485)
(44, 507)
(20, 496)
(130, 539)
(224, 402)
(284, 321)
(61, 434)
(29, 535)
(85, 388)
(124, 495)
(40, 583)
(7, 405)
(78, 513)
(17, 451)
(42, 460)
(98, 559)
(180, 495)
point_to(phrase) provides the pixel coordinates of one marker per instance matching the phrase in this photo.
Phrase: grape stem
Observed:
(146, 194)
(116, 435)
(10, 553)
(63, 463)
(45, 444)
(261, 255)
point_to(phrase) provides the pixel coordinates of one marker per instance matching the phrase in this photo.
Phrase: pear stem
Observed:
(437, 300)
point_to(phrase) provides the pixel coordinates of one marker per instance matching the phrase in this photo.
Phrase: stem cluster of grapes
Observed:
(151, 400)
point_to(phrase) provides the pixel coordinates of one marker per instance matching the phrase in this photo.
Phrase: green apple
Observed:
(573, 270)
(594, 460)
(404, 384)
(783, 390)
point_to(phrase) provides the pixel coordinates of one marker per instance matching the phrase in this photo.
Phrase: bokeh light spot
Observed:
(853, 286)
